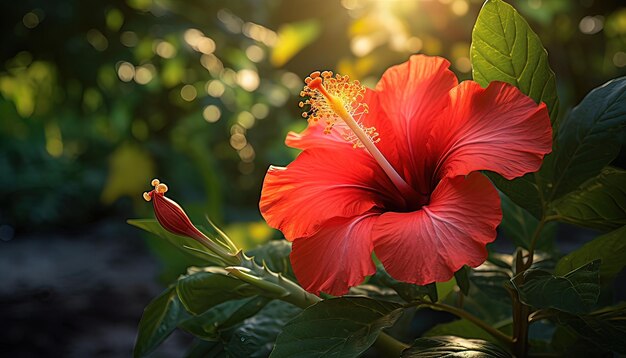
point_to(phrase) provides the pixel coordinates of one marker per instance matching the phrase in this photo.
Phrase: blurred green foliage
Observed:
(98, 97)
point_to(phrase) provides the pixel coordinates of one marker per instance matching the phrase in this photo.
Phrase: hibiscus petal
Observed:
(497, 128)
(337, 257)
(321, 184)
(410, 95)
(313, 136)
(451, 231)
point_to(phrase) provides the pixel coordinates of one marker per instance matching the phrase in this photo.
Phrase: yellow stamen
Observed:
(155, 182)
(331, 97)
(146, 196)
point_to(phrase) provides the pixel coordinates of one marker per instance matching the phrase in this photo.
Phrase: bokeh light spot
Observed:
(248, 79)
(211, 113)
(188, 93)
(125, 71)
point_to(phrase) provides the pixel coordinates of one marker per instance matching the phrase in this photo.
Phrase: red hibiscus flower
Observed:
(395, 171)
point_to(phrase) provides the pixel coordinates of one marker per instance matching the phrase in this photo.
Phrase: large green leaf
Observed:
(338, 327)
(599, 203)
(185, 244)
(609, 248)
(605, 328)
(255, 337)
(223, 316)
(519, 226)
(504, 48)
(451, 346)
(158, 321)
(589, 138)
(201, 291)
(576, 292)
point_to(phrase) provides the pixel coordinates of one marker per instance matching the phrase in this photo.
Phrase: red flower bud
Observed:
(170, 215)
(173, 218)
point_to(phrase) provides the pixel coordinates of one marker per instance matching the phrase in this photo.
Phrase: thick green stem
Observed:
(296, 295)
(521, 312)
(503, 338)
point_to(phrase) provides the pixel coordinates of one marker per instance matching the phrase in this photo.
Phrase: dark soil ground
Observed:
(77, 295)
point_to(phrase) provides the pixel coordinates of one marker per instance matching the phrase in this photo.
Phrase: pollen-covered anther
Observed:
(147, 196)
(330, 97)
(155, 182)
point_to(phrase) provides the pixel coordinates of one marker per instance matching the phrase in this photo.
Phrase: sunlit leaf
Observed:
(338, 327)
(451, 346)
(504, 48)
(610, 249)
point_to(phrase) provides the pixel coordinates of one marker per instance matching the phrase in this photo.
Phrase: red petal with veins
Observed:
(322, 184)
(410, 95)
(337, 257)
(430, 244)
(496, 128)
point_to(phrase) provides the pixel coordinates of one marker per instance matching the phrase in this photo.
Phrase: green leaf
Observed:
(203, 290)
(600, 203)
(407, 291)
(519, 225)
(338, 327)
(274, 255)
(451, 346)
(609, 248)
(576, 292)
(158, 321)
(185, 244)
(589, 138)
(223, 316)
(504, 48)
(605, 328)
(462, 279)
(255, 337)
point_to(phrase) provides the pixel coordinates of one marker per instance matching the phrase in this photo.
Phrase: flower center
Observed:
(331, 98)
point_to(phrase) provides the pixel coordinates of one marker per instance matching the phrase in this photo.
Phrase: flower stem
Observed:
(503, 338)
(521, 312)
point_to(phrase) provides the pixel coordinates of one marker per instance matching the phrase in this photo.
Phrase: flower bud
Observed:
(173, 218)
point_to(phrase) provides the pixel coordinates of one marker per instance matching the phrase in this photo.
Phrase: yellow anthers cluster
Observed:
(158, 187)
(327, 94)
